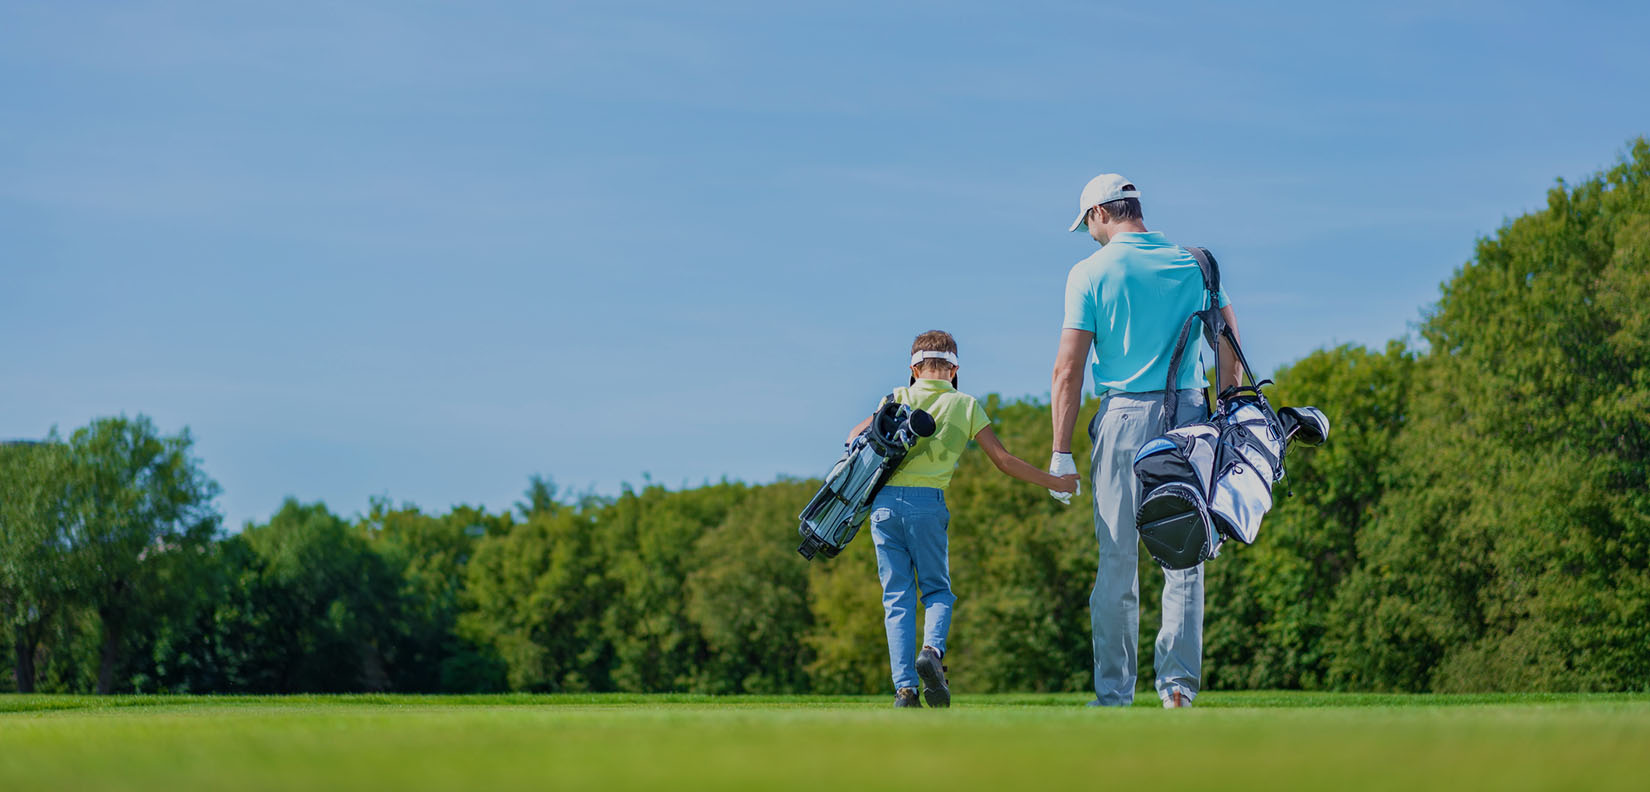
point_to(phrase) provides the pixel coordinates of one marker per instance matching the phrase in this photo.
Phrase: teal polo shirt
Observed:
(1134, 294)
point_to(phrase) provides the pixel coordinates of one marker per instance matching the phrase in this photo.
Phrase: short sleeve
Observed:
(977, 419)
(1221, 300)
(1080, 308)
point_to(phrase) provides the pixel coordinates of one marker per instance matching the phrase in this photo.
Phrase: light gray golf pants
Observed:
(1125, 422)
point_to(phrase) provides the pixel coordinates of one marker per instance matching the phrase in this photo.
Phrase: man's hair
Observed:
(1123, 209)
(934, 341)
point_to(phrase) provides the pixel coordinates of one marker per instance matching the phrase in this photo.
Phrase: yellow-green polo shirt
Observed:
(957, 418)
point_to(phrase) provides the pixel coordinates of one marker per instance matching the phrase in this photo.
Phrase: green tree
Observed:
(1269, 605)
(315, 608)
(139, 506)
(429, 555)
(541, 497)
(648, 540)
(36, 577)
(748, 594)
(1022, 565)
(535, 595)
(191, 647)
(1513, 545)
(848, 643)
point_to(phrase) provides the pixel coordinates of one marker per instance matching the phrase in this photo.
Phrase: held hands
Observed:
(1062, 466)
(1069, 484)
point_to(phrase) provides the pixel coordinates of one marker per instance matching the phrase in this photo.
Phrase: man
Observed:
(1127, 303)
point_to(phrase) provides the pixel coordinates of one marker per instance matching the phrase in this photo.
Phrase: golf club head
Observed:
(1305, 425)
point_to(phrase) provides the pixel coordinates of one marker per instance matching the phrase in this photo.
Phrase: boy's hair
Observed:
(934, 341)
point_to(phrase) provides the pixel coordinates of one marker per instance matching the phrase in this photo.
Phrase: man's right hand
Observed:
(1059, 465)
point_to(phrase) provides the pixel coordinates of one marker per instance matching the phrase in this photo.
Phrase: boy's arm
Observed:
(1019, 468)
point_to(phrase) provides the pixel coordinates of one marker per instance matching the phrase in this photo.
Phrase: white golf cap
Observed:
(1105, 188)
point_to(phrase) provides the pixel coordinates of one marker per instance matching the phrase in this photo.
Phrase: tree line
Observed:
(1479, 520)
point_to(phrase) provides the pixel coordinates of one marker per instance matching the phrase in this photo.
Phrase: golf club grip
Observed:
(922, 423)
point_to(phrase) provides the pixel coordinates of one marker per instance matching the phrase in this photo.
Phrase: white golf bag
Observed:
(1210, 481)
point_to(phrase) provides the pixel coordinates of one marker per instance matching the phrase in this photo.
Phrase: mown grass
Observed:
(1230, 741)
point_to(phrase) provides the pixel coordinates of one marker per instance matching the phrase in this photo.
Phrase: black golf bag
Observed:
(1206, 482)
(834, 515)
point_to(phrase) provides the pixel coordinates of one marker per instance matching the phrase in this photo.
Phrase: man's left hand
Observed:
(1061, 464)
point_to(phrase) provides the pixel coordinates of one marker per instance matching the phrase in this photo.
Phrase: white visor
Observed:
(918, 357)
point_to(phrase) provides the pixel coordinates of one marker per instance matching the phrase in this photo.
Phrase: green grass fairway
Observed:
(844, 744)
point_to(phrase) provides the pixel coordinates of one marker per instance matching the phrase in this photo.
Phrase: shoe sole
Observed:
(934, 690)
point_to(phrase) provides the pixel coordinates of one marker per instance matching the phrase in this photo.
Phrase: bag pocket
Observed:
(1242, 496)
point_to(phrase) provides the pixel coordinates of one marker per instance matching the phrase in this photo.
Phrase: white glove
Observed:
(1061, 464)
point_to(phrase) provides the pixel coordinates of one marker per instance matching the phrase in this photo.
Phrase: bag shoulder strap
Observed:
(1214, 323)
(1217, 332)
(1214, 327)
(1210, 268)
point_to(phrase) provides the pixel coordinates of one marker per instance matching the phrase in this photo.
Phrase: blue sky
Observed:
(426, 249)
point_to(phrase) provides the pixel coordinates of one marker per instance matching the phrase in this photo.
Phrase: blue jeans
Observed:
(1124, 423)
(908, 526)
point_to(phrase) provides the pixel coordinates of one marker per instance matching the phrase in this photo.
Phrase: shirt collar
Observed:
(1139, 238)
(933, 384)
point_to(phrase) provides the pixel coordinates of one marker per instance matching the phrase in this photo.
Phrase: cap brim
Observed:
(1078, 223)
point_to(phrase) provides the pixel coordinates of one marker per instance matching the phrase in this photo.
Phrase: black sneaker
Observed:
(932, 673)
(906, 697)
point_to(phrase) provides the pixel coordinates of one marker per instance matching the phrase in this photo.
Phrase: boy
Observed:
(909, 518)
